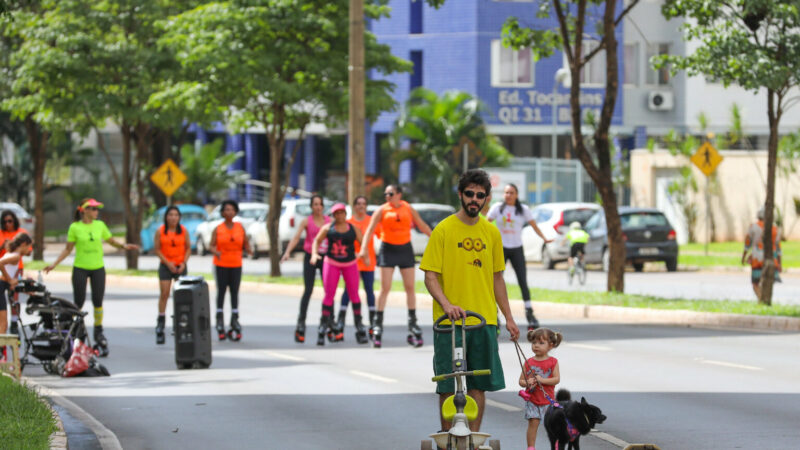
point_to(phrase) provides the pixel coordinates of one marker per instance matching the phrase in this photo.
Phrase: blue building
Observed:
(458, 47)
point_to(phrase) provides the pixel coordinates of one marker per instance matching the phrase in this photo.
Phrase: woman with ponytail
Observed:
(511, 216)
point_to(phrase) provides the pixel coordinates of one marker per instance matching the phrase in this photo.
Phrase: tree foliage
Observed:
(754, 44)
(432, 129)
(276, 65)
(206, 170)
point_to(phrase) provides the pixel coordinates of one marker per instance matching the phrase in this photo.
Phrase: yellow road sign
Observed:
(168, 177)
(707, 158)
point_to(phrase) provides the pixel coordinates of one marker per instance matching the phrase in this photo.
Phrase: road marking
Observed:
(372, 376)
(609, 438)
(503, 406)
(601, 348)
(727, 364)
(283, 356)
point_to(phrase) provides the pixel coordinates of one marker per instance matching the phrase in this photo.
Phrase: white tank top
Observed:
(12, 270)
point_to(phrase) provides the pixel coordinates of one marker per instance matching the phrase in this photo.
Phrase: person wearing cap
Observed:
(366, 267)
(577, 239)
(86, 235)
(754, 245)
(340, 260)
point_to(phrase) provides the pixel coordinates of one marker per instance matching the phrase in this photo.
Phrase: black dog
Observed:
(566, 424)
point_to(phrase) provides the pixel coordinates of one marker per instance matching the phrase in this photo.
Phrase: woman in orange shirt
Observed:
(366, 266)
(9, 230)
(173, 247)
(396, 218)
(228, 241)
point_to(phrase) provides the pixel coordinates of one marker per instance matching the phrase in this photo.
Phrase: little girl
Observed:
(18, 247)
(541, 369)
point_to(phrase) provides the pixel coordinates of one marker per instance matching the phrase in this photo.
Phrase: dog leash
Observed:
(522, 361)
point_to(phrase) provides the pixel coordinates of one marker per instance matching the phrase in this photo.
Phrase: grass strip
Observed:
(25, 422)
(546, 295)
(729, 254)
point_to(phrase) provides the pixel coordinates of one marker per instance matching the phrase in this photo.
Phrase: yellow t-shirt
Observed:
(466, 258)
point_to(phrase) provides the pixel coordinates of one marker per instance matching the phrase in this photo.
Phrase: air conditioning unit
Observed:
(660, 101)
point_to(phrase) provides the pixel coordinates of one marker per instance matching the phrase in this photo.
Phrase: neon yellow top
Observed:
(578, 236)
(88, 239)
(466, 257)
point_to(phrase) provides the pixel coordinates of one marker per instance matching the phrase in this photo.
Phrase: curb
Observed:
(618, 314)
(58, 440)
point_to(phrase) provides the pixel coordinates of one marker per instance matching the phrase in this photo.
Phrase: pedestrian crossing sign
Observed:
(168, 177)
(707, 158)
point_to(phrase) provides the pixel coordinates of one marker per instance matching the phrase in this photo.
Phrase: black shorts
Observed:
(4, 288)
(576, 247)
(391, 255)
(164, 274)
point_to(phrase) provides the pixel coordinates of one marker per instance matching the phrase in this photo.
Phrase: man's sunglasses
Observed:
(479, 195)
(388, 194)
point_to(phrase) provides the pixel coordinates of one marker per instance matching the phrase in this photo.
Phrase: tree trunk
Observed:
(276, 142)
(768, 272)
(142, 138)
(160, 152)
(37, 141)
(125, 189)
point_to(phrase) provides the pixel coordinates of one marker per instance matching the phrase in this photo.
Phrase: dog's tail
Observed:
(563, 395)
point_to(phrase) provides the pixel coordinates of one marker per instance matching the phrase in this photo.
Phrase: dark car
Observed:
(647, 233)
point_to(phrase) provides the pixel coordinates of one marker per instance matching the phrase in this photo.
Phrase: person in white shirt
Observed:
(510, 216)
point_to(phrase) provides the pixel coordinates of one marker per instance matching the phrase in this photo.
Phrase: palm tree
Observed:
(206, 170)
(433, 130)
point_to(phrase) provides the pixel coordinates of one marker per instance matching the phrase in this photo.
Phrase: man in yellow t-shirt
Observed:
(464, 266)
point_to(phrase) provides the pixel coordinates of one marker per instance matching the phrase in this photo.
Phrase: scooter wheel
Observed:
(495, 444)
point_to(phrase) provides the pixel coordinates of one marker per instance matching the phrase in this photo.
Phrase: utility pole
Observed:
(355, 148)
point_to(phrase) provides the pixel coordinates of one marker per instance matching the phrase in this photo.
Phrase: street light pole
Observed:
(357, 113)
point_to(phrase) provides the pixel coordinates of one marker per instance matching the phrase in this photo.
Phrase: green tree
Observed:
(206, 170)
(274, 64)
(83, 63)
(754, 44)
(433, 129)
(580, 45)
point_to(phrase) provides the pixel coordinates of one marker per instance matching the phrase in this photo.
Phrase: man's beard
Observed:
(467, 210)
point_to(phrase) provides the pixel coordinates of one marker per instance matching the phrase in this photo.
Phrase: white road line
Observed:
(283, 356)
(727, 364)
(503, 406)
(372, 376)
(609, 438)
(601, 348)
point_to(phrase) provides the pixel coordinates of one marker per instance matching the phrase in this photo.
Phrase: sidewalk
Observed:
(545, 310)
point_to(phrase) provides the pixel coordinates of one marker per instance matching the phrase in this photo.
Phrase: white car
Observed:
(248, 213)
(26, 220)
(293, 211)
(553, 220)
(432, 214)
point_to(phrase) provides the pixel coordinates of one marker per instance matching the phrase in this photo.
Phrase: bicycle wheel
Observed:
(581, 269)
(570, 275)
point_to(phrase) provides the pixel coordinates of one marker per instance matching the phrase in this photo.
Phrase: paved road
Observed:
(682, 284)
(678, 387)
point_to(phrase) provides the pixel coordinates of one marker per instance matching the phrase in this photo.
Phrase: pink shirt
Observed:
(545, 370)
(312, 230)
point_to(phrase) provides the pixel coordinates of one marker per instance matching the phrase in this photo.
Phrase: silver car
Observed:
(553, 220)
(293, 211)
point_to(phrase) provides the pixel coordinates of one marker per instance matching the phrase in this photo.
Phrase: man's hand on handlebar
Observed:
(454, 312)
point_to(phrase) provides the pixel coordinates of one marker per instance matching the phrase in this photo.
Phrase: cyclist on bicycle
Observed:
(577, 238)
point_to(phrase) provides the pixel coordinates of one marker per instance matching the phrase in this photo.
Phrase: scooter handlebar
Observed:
(474, 373)
(440, 329)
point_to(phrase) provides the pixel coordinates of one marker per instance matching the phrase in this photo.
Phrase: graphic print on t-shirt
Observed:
(338, 249)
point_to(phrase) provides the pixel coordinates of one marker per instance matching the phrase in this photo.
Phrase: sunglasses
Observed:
(91, 208)
(388, 194)
(478, 195)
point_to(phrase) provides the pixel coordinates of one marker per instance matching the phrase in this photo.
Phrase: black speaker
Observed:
(192, 323)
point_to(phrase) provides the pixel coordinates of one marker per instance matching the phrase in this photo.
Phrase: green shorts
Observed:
(482, 353)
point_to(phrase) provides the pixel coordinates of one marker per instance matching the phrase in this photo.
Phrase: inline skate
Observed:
(221, 326)
(361, 332)
(160, 324)
(235, 332)
(533, 323)
(100, 342)
(414, 331)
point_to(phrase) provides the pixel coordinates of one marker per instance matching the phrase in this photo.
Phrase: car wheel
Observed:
(639, 267)
(547, 260)
(606, 259)
(201, 247)
(672, 265)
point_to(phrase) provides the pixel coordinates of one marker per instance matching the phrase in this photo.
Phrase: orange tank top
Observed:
(173, 245)
(363, 225)
(396, 223)
(230, 243)
(7, 236)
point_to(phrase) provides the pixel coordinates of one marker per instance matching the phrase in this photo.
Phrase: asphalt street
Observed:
(681, 388)
(655, 280)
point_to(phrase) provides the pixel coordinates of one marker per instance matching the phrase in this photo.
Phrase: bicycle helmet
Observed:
(575, 225)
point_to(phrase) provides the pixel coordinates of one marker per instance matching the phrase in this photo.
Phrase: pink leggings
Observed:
(330, 280)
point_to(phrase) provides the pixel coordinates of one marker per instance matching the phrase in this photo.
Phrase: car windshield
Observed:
(193, 216)
(252, 213)
(578, 215)
(644, 220)
(433, 216)
(542, 214)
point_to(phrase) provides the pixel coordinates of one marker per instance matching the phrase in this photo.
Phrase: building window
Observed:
(415, 13)
(511, 67)
(657, 77)
(416, 74)
(594, 71)
(631, 62)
